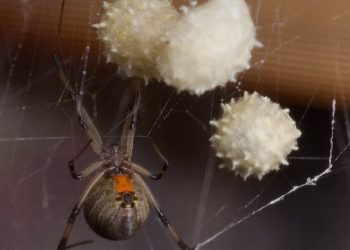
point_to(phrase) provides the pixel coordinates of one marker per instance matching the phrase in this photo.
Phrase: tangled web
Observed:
(304, 206)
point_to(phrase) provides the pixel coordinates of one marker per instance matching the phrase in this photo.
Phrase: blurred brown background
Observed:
(306, 43)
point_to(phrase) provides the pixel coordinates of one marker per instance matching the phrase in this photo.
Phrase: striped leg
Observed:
(86, 172)
(145, 172)
(84, 118)
(76, 210)
(161, 214)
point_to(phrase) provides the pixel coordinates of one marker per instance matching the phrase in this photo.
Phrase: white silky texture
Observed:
(196, 50)
(130, 30)
(208, 46)
(254, 136)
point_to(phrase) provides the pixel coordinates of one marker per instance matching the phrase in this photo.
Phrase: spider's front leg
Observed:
(85, 120)
(128, 136)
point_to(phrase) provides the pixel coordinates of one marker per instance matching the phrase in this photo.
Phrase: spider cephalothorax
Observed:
(112, 154)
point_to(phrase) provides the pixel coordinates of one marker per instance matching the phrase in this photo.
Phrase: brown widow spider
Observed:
(117, 201)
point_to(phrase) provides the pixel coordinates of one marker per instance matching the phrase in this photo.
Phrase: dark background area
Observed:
(39, 134)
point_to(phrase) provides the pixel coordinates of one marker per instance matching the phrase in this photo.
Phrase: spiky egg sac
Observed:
(130, 30)
(194, 50)
(254, 136)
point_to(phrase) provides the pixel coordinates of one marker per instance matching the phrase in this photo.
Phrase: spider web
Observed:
(303, 206)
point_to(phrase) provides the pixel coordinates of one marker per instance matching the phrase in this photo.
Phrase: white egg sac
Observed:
(130, 30)
(208, 46)
(196, 50)
(254, 136)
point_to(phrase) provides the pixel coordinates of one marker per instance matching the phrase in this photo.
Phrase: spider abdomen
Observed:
(109, 216)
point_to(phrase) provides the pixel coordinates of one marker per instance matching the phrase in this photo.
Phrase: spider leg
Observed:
(71, 162)
(127, 140)
(84, 118)
(90, 169)
(145, 172)
(128, 133)
(90, 130)
(76, 210)
(86, 172)
(160, 213)
(161, 156)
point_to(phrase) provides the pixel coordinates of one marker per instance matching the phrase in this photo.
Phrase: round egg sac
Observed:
(194, 50)
(254, 136)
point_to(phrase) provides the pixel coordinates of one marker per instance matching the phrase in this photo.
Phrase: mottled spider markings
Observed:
(117, 201)
(116, 207)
